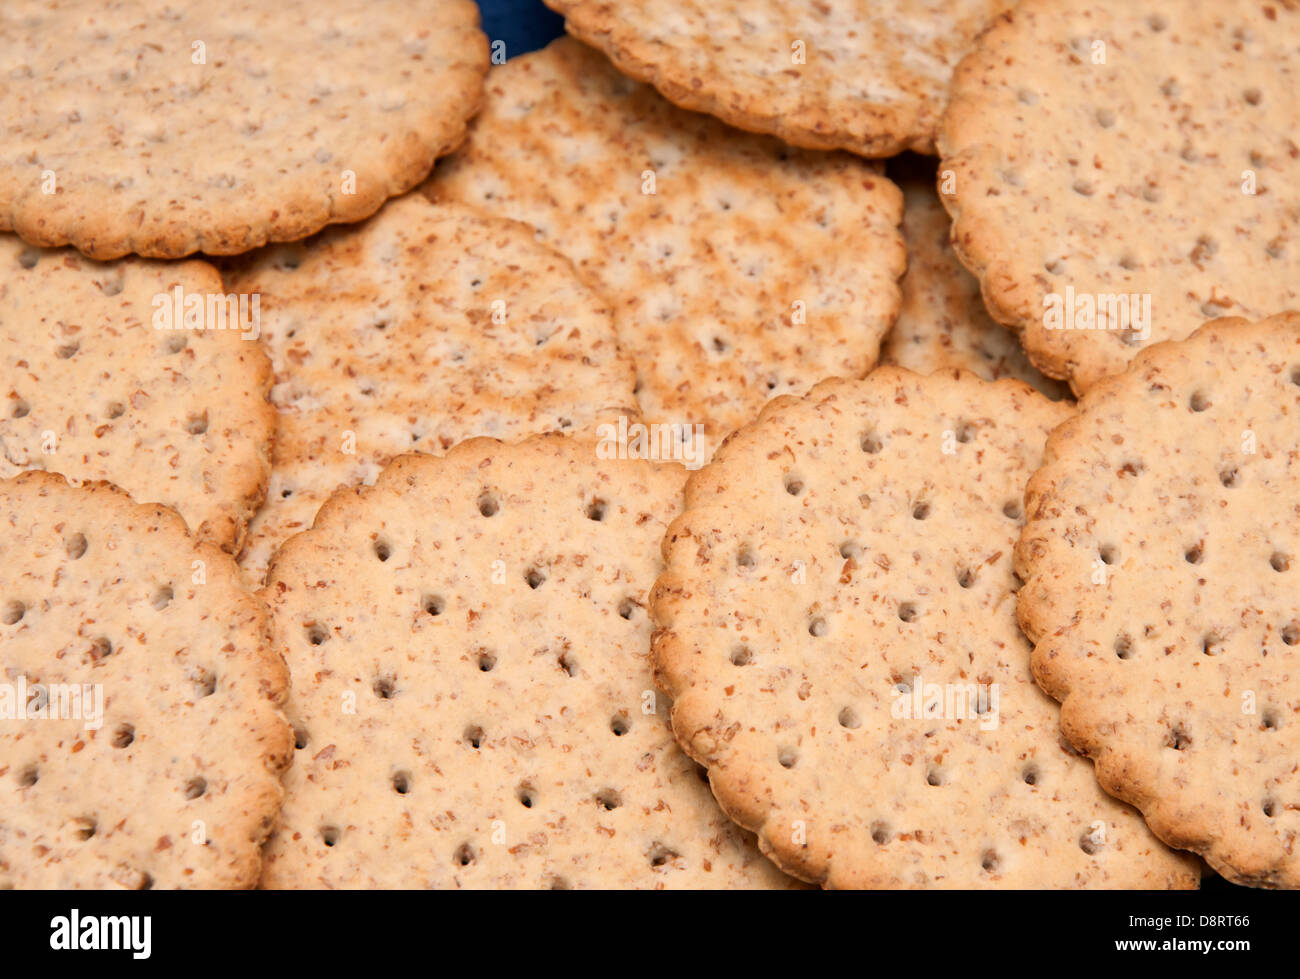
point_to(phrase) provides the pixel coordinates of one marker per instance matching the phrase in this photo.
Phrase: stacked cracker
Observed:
(510, 643)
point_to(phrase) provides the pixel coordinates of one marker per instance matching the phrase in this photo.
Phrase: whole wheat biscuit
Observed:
(738, 269)
(110, 371)
(141, 737)
(1118, 173)
(836, 628)
(864, 75)
(164, 128)
(1158, 560)
(942, 322)
(472, 691)
(424, 326)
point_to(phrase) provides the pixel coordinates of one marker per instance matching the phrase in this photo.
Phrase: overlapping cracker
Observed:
(165, 128)
(1159, 561)
(738, 268)
(156, 760)
(424, 326)
(107, 372)
(1106, 155)
(472, 693)
(836, 626)
(864, 75)
(942, 323)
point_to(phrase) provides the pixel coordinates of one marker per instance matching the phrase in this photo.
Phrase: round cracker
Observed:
(836, 626)
(1159, 562)
(173, 780)
(104, 375)
(163, 129)
(1105, 155)
(424, 326)
(942, 323)
(738, 269)
(863, 75)
(472, 693)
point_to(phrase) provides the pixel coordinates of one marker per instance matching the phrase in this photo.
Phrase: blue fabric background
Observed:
(525, 25)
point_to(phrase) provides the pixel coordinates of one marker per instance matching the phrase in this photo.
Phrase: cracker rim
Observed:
(672, 654)
(1040, 618)
(408, 468)
(266, 660)
(102, 230)
(984, 254)
(890, 129)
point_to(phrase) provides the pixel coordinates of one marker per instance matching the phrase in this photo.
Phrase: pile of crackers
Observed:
(746, 445)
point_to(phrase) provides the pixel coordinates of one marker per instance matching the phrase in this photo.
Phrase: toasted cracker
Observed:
(942, 323)
(424, 326)
(753, 270)
(841, 559)
(175, 783)
(1130, 177)
(472, 690)
(99, 384)
(1159, 562)
(863, 75)
(164, 129)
